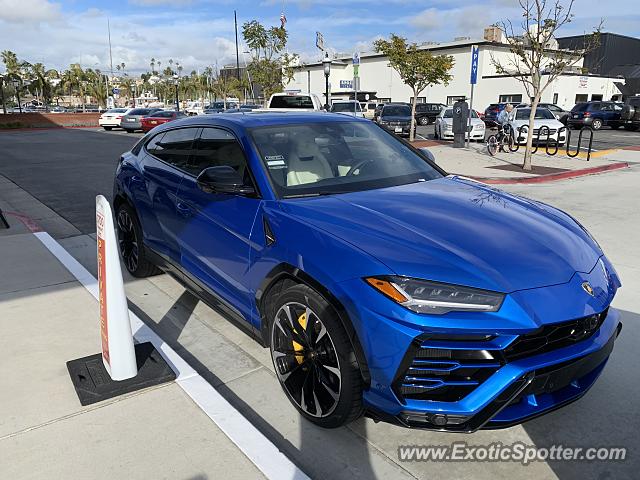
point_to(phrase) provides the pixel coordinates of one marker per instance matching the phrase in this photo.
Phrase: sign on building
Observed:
(348, 84)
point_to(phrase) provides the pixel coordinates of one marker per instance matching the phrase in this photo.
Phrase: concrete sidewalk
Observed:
(48, 318)
(475, 162)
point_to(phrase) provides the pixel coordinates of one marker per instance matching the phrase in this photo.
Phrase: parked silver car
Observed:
(132, 120)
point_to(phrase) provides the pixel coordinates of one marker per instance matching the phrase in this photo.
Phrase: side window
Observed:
(216, 147)
(174, 147)
(154, 147)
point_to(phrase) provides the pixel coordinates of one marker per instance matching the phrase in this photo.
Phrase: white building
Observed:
(383, 83)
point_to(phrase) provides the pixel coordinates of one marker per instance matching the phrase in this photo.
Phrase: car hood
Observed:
(456, 231)
(537, 123)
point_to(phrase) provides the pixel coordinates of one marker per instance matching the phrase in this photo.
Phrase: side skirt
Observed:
(205, 294)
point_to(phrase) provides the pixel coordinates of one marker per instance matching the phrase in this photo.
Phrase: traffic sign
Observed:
(356, 58)
(356, 70)
(474, 64)
(116, 91)
(319, 41)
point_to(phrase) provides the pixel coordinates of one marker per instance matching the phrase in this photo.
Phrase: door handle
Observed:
(184, 209)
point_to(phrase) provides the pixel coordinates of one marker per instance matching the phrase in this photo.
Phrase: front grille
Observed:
(552, 131)
(552, 337)
(445, 375)
(448, 375)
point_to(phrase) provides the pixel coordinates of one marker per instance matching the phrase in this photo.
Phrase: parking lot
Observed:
(603, 139)
(65, 169)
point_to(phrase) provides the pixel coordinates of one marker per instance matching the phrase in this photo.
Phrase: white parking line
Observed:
(258, 448)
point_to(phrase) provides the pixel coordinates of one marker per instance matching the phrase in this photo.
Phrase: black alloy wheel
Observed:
(313, 359)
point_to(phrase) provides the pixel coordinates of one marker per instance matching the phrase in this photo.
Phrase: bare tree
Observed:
(535, 59)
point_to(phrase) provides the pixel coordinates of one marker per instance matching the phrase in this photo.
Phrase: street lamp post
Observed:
(175, 84)
(326, 63)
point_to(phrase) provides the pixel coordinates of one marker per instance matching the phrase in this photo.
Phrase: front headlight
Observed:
(448, 126)
(423, 296)
(479, 126)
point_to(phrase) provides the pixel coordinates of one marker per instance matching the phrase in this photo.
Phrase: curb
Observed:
(552, 177)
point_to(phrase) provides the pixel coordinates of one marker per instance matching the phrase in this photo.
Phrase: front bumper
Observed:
(504, 388)
(522, 390)
(397, 129)
(475, 134)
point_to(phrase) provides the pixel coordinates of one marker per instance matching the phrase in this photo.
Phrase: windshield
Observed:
(336, 157)
(541, 114)
(117, 110)
(291, 101)
(396, 111)
(346, 107)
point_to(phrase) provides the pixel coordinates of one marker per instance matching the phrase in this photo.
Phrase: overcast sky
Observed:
(200, 32)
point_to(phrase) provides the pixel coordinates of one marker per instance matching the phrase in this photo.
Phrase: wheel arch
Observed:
(284, 275)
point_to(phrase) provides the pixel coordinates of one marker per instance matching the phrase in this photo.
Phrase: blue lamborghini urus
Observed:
(381, 285)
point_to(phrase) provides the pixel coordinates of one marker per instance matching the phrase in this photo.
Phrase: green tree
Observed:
(417, 68)
(270, 64)
(535, 60)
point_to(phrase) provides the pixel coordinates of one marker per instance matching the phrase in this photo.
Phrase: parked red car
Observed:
(158, 118)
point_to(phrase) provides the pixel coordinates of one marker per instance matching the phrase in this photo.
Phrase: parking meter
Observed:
(460, 122)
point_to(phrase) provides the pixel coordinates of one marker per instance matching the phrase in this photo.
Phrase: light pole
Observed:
(175, 84)
(326, 63)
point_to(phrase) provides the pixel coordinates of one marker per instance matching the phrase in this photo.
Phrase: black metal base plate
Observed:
(93, 384)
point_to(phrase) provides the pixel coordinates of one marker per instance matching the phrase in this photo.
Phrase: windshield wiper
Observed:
(319, 193)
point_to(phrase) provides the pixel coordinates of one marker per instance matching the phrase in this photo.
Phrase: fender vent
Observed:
(269, 237)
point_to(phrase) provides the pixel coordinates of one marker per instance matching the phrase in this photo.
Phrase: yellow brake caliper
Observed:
(302, 321)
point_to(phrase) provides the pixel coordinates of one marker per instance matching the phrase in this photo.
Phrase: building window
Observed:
(510, 98)
(384, 100)
(581, 97)
(555, 99)
(596, 97)
(454, 98)
(420, 100)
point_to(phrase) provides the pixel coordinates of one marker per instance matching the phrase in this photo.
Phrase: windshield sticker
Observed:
(275, 161)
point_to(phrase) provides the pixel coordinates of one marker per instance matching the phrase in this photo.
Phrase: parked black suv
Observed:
(426, 113)
(631, 114)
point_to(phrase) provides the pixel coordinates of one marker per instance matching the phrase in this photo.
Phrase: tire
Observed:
(128, 130)
(107, 128)
(615, 126)
(596, 124)
(631, 128)
(318, 373)
(423, 121)
(492, 145)
(130, 244)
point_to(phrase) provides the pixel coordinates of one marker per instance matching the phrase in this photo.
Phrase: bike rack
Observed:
(577, 152)
(552, 145)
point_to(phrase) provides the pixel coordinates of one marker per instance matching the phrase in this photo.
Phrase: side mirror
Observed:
(427, 153)
(223, 179)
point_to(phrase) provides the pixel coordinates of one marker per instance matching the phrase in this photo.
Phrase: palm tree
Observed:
(153, 64)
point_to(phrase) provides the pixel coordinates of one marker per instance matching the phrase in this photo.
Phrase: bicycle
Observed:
(500, 142)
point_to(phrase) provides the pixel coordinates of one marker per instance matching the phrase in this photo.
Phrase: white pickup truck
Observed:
(295, 102)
